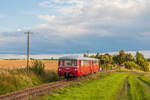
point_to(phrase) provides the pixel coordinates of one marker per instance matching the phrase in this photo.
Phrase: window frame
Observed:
(73, 63)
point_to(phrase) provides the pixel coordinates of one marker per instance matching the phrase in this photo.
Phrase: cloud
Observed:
(19, 29)
(12, 39)
(145, 35)
(46, 17)
(65, 7)
(83, 24)
(98, 17)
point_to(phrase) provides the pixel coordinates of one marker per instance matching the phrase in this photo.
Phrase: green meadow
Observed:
(114, 86)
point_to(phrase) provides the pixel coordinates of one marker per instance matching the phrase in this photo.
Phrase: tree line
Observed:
(127, 60)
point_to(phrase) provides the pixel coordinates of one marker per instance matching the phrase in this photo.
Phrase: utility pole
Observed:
(28, 48)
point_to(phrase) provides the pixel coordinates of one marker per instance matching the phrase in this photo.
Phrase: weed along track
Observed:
(34, 92)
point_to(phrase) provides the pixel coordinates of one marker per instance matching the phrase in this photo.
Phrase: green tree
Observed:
(106, 61)
(87, 53)
(116, 59)
(130, 57)
(148, 59)
(98, 55)
(121, 57)
(92, 56)
(142, 61)
(131, 65)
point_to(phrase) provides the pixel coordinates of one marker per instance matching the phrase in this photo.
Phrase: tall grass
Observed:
(13, 80)
(16, 80)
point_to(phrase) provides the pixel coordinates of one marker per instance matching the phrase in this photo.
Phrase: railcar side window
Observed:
(95, 63)
(85, 63)
(81, 63)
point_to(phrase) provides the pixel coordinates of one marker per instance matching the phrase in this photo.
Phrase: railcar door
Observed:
(81, 67)
(91, 66)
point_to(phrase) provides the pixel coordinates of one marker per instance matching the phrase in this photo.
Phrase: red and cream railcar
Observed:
(71, 66)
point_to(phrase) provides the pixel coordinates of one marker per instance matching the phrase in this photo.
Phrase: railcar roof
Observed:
(77, 57)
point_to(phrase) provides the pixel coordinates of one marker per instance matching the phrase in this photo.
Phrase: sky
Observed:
(74, 26)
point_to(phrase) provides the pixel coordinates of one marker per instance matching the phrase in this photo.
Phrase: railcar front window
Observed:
(69, 63)
(61, 63)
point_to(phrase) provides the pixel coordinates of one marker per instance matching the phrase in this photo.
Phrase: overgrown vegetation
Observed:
(115, 86)
(37, 67)
(137, 90)
(106, 87)
(131, 65)
(108, 61)
(145, 78)
(13, 80)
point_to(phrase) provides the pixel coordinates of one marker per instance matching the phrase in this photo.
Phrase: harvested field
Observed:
(17, 64)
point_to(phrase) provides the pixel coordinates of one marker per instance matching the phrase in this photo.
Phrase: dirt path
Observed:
(147, 87)
(124, 92)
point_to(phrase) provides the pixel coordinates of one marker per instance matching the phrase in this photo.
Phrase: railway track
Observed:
(32, 93)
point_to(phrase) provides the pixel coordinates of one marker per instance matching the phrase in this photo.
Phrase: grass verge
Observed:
(145, 78)
(136, 89)
(14, 80)
(103, 88)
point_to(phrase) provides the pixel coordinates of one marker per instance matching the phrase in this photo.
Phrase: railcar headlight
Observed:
(75, 69)
(59, 69)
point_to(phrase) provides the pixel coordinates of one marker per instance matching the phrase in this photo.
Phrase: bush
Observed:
(37, 67)
(131, 65)
(45, 75)
(50, 76)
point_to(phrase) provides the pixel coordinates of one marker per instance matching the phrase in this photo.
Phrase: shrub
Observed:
(37, 67)
(45, 75)
(50, 76)
(131, 65)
